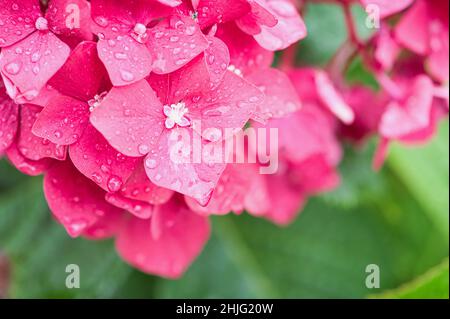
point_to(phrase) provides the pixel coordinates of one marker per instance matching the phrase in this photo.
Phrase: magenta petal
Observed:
(280, 95)
(32, 146)
(173, 166)
(126, 60)
(83, 63)
(181, 237)
(25, 165)
(30, 63)
(138, 187)
(98, 161)
(9, 112)
(131, 118)
(139, 209)
(174, 42)
(62, 121)
(17, 20)
(75, 201)
(61, 16)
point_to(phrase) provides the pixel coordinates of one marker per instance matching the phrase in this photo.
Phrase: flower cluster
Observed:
(111, 100)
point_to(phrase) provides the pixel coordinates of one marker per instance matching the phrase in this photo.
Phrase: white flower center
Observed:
(235, 70)
(140, 33)
(41, 24)
(176, 115)
(95, 102)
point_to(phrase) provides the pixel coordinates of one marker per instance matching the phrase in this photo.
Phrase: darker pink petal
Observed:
(25, 165)
(70, 20)
(139, 188)
(139, 209)
(31, 146)
(62, 121)
(83, 63)
(178, 238)
(98, 161)
(78, 204)
(9, 117)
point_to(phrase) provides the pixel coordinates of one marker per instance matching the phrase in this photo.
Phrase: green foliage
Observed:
(432, 285)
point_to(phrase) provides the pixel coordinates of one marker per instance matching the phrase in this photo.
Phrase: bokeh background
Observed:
(397, 218)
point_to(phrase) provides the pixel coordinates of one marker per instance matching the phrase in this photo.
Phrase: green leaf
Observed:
(432, 285)
(425, 172)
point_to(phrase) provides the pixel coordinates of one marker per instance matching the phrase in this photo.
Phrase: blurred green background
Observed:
(397, 218)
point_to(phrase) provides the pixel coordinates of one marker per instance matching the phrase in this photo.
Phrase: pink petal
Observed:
(438, 60)
(224, 11)
(175, 42)
(130, 118)
(9, 115)
(62, 121)
(217, 59)
(387, 49)
(98, 161)
(70, 20)
(167, 168)
(17, 20)
(83, 63)
(286, 199)
(257, 199)
(413, 114)
(246, 54)
(182, 235)
(380, 154)
(139, 188)
(139, 209)
(31, 146)
(280, 95)
(74, 200)
(106, 226)
(332, 99)
(234, 100)
(412, 30)
(388, 7)
(258, 16)
(230, 192)
(316, 175)
(289, 29)
(126, 60)
(25, 165)
(30, 63)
